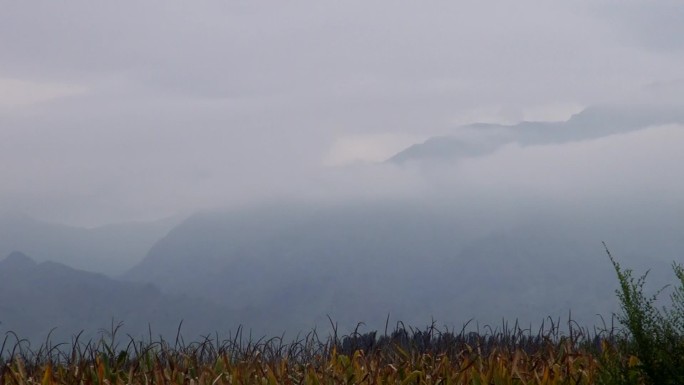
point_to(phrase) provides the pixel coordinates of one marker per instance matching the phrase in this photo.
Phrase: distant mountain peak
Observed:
(593, 122)
(17, 260)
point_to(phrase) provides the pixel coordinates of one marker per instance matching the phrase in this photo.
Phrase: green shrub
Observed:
(657, 334)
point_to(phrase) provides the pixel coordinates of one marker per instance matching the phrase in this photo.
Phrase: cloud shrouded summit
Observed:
(138, 111)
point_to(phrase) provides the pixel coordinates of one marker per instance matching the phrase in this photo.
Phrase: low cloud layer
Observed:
(139, 111)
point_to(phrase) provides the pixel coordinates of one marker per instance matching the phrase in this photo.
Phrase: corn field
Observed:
(405, 356)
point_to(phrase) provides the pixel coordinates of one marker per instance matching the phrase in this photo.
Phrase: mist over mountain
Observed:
(443, 160)
(459, 251)
(499, 230)
(109, 249)
(591, 123)
(508, 222)
(36, 298)
(297, 264)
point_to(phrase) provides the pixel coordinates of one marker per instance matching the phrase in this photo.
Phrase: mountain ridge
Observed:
(109, 249)
(592, 122)
(36, 298)
(362, 263)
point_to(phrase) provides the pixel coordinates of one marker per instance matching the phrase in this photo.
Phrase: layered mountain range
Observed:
(288, 266)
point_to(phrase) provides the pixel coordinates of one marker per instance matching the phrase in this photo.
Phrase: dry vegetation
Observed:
(405, 356)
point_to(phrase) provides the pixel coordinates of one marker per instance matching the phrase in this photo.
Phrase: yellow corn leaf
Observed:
(47, 376)
(411, 377)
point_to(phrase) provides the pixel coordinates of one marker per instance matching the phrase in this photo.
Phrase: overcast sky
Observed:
(113, 111)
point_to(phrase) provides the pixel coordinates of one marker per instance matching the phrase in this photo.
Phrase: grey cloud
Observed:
(193, 105)
(657, 26)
